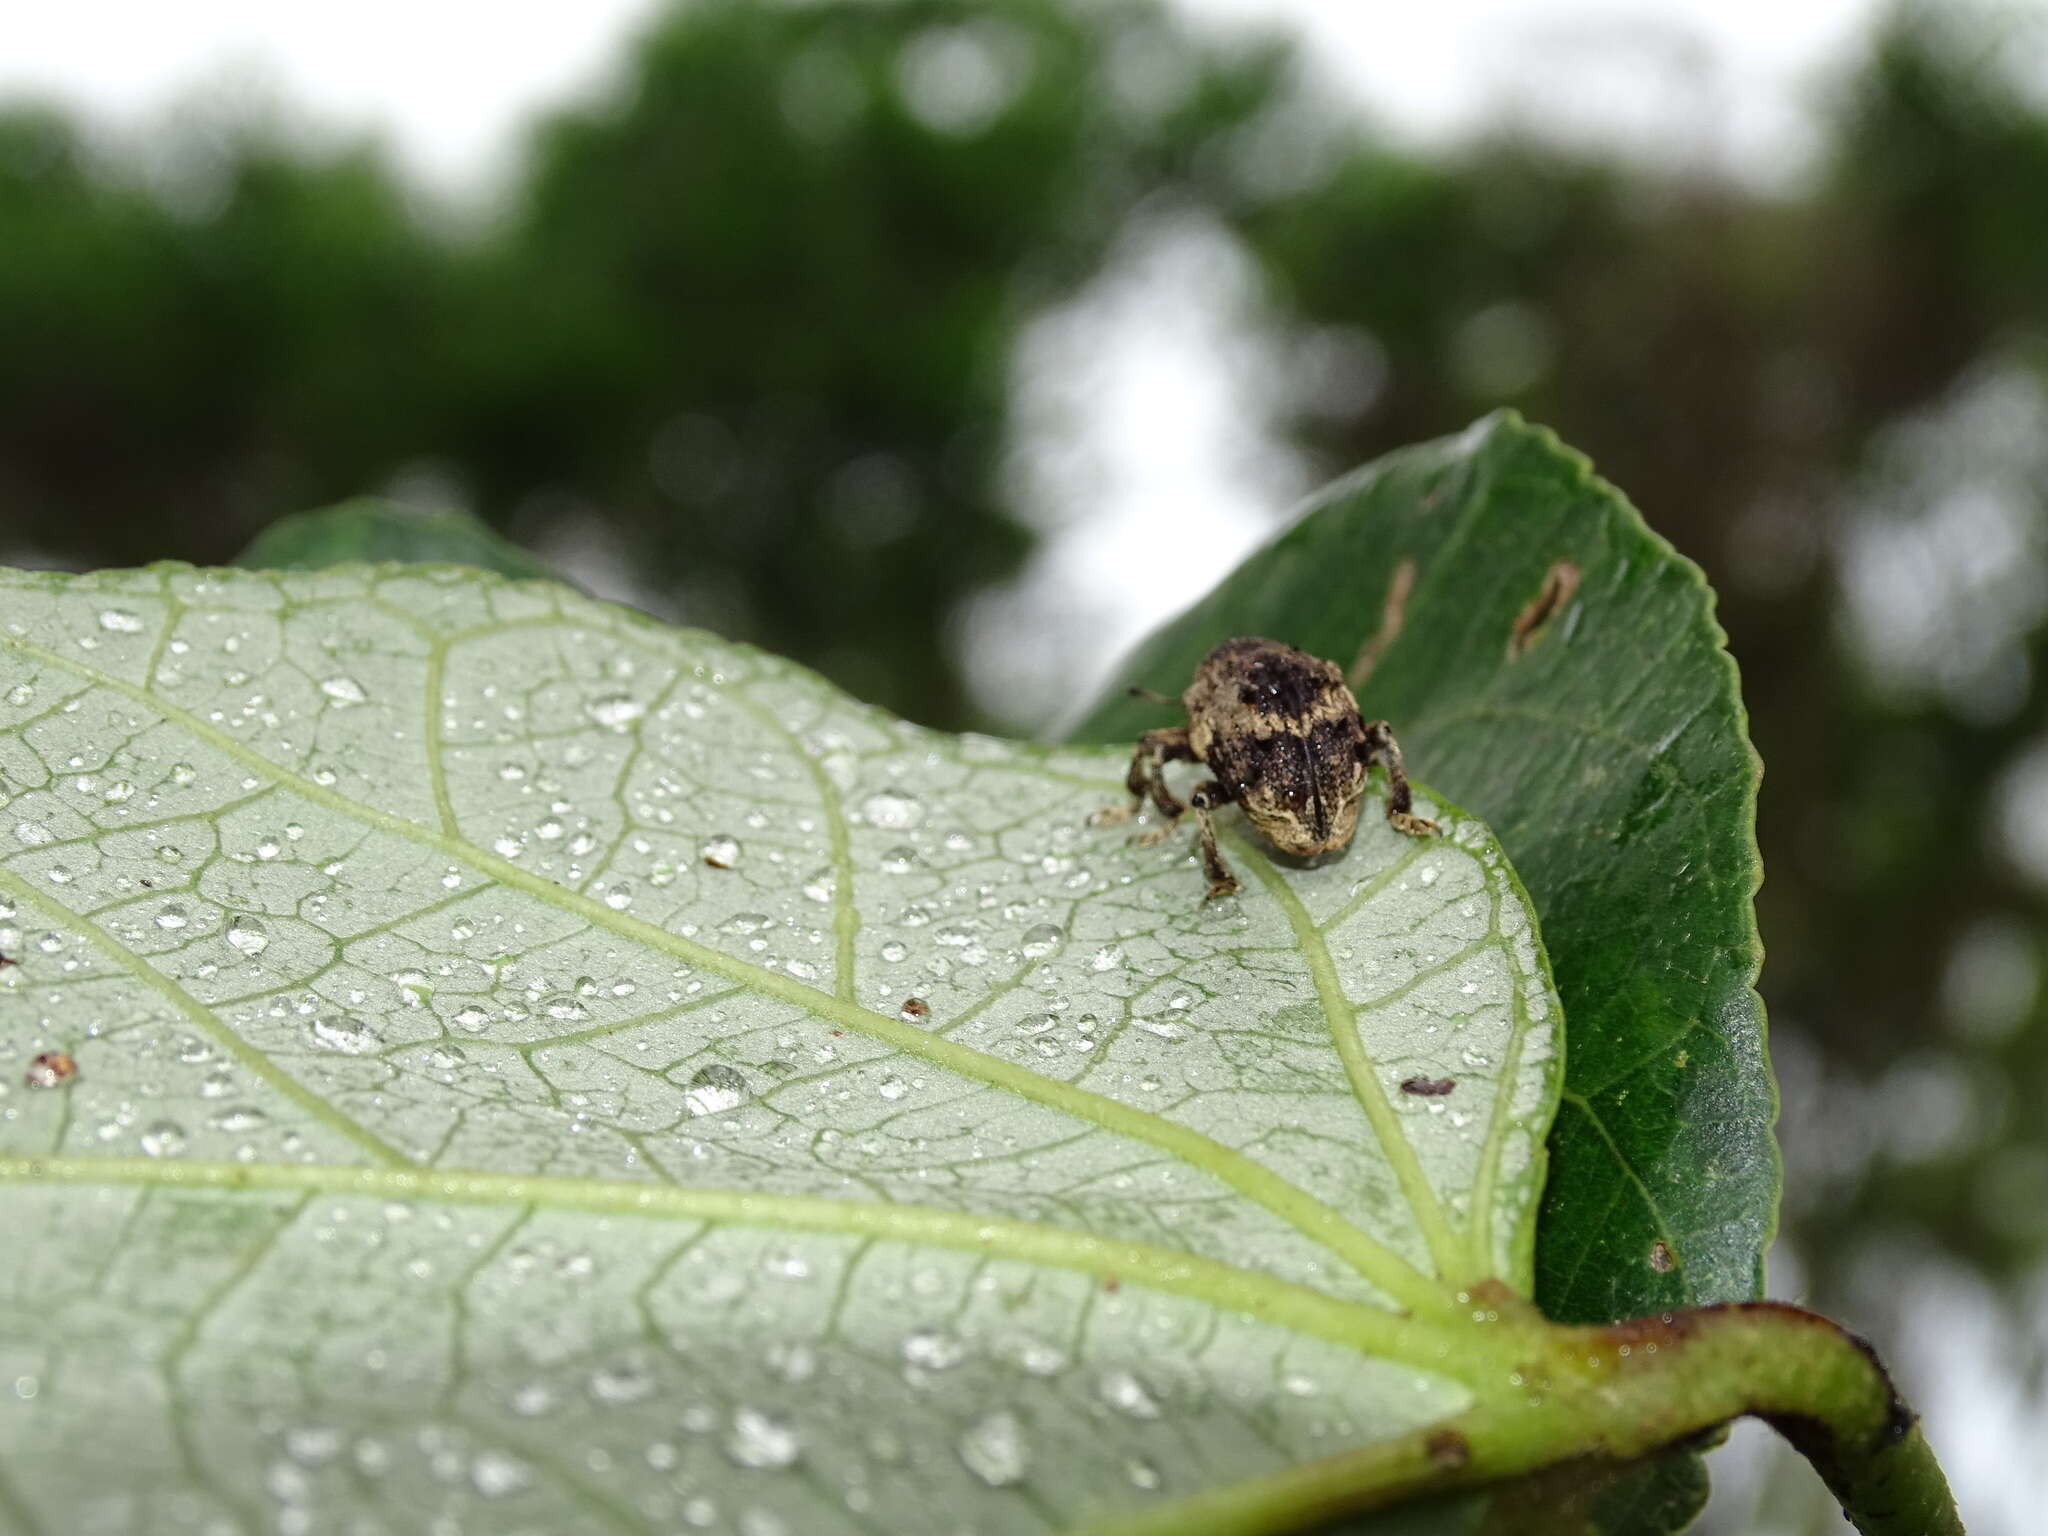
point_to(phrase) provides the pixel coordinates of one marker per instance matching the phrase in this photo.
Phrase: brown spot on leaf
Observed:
(1448, 1449)
(1429, 1087)
(1559, 583)
(52, 1069)
(1660, 1257)
(1393, 614)
(916, 1008)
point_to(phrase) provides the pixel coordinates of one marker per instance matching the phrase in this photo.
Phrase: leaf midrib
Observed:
(1377, 1263)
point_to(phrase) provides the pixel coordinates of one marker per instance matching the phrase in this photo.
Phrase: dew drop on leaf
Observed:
(248, 936)
(166, 1138)
(339, 1032)
(759, 1441)
(496, 1475)
(994, 1449)
(616, 711)
(715, 1089)
(933, 1349)
(120, 622)
(1128, 1395)
(344, 690)
(721, 852)
(621, 1384)
(892, 811)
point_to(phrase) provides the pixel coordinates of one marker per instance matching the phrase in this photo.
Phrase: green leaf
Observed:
(543, 1070)
(371, 530)
(1608, 747)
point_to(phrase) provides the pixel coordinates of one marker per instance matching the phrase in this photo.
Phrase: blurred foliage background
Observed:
(752, 324)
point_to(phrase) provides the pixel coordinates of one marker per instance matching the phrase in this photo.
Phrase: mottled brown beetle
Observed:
(1283, 737)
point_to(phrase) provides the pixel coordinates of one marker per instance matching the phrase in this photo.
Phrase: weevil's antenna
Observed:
(1151, 697)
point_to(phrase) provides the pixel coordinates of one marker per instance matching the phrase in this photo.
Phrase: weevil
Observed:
(1281, 735)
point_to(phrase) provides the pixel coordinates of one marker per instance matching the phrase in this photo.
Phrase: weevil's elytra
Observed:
(1281, 734)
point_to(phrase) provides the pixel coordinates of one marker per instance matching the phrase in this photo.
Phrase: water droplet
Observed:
(933, 1349)
(1107, 958)
(892, 812)
(892, 1087)
(496, 1475)
(31, 834)
(120, 622)
(621, 1384)
(183, 774)
(473, 1019)
(715, 1089)
(242, 1118)
(563, 1006)
(619, 897)
(338, 1032)
(616, 710)
(344, 690)
(1043, 939)
(312, 1445)
(721, 852)
(21, 693)
(1165, 1029)
(172, 916)
(758, 1441)
(993, 1448)
(893, 951)
(165, 1138)
(248, 936)
(1142, 1473)
(533, 1400)
(1128, 1395)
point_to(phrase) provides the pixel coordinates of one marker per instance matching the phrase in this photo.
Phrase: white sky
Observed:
(450, 79)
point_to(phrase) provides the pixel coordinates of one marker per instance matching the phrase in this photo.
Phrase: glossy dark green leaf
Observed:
(375, 531)
(1607, 744)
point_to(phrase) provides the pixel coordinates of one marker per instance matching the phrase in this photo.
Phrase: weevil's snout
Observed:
(1303, 832)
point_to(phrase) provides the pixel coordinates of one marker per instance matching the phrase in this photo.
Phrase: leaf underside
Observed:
(550, 1071)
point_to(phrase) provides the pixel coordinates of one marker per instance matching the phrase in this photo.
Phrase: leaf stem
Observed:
(1604, 1396)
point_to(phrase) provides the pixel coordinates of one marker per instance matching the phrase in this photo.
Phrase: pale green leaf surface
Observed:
(452, 1134)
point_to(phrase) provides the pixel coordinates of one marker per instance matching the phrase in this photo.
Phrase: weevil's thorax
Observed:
(1281, 733)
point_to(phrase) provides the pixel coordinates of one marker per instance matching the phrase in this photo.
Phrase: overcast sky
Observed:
(449, 79)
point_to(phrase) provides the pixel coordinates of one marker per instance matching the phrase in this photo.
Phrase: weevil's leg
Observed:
(1206, 798)
(1379, 746)
(1153, 696)
(1155, 749)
